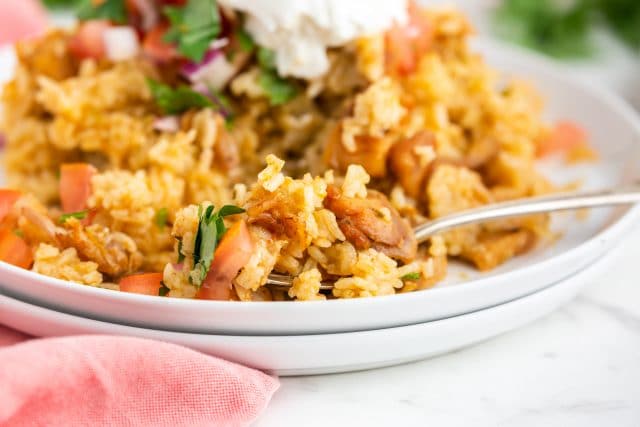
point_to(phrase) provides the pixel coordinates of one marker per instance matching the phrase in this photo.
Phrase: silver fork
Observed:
(534, 205)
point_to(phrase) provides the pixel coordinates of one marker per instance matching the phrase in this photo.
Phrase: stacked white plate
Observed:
(332, 336)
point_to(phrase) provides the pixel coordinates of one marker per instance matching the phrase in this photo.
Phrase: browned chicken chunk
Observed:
(372, 222)
(409, 163)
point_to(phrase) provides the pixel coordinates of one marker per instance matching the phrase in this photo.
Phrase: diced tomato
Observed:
(75, 186)
(145, 283)
(88, 42)
(156, 48)
(405, 45)
(14, 250)
(230, 256)
(7, 199)
(564, 137)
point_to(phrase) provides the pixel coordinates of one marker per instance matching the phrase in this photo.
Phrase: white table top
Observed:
(579, 366)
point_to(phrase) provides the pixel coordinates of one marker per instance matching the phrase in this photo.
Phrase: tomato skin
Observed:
(14, 250)
(230, 256)
(144, 283)
(406, 44)
(88, 42)
(564, 137)
(7, 199)
(75, 186)
(156, 48)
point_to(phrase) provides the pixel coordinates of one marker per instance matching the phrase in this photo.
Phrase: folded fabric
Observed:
(21, 19)
(122, 381)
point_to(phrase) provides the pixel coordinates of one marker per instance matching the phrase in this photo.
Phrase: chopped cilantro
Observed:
(278, 89)
(211, 228)
(164, 290)
(162, 216)
(76, 215)
(193, 27)
(267, 58)
(244, 39)
(18, 232)
(411, 276)
(178, 100)
(112, 10)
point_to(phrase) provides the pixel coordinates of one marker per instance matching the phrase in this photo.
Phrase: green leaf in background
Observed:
(563, 28)
(193, 27)
(541, 25)
(624, 18)
(112, 10)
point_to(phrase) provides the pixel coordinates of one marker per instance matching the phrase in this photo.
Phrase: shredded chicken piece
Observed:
(372, 222)
(409, 164)
(115, 253)
(370, 152)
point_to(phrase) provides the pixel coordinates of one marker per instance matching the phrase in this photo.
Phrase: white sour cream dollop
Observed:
(300, 31)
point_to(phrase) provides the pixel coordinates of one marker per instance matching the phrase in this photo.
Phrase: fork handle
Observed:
(543, 204)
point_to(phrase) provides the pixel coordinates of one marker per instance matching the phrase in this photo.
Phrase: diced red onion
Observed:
(167, 124)
(121, 43)
(191, 68)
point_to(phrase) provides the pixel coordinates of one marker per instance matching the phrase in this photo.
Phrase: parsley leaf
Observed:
(211, 228)
(112, 10)
(178, 100)
(162, 216)
(76, 215)
(193, 27)
(164, 289)
(411, 276)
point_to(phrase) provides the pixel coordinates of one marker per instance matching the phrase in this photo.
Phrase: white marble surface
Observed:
(579, 366)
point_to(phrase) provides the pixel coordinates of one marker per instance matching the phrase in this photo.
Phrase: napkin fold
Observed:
(123, 381)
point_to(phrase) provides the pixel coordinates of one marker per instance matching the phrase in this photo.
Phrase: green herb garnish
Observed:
(245, 40)
(211, 229)
(193, 27)
(411, 276)
(180, 254)
(164, 290)
(178, 100)
(162, 216)
(18, 232)
(76, 215)
(266, 58)
(112, 10)
(278, 89)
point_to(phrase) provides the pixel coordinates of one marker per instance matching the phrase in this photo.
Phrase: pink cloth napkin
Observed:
(21, 19)
(123, 381)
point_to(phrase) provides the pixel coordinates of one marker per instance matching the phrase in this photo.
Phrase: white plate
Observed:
(615, 132)
(326, 353)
